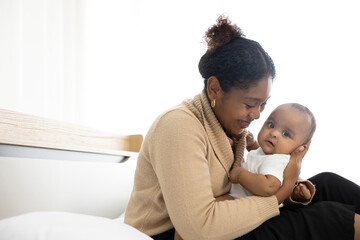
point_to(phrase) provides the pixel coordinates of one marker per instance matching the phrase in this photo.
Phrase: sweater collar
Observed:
(201, 108)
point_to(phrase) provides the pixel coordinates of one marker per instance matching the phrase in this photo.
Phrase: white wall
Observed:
(136, 58)
(41, 57)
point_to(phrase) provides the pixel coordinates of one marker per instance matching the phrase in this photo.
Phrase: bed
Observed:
(63, 181)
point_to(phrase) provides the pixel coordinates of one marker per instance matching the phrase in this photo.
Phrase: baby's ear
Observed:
(301, 148)
(307, 144)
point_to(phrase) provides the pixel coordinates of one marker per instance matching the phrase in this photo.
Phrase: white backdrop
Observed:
(125, 62)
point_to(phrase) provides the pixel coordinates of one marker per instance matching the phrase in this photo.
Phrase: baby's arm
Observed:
(257, 184)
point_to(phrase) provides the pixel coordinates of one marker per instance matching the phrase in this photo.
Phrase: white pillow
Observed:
(66, 226)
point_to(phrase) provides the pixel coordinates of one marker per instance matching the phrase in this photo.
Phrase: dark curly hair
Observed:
(233, 59)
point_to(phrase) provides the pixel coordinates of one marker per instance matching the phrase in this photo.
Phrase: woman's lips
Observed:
(243, 124)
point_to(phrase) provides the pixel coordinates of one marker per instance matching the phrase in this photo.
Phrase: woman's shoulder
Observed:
(178, 117)
(179, 112)
(173, 127)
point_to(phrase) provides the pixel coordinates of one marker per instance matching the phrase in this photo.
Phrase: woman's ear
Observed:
(213, 88)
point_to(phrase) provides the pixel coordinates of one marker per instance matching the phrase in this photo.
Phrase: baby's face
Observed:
(285, 130)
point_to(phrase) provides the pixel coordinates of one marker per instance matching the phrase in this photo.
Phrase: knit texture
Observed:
(183, 165)
(201, 108)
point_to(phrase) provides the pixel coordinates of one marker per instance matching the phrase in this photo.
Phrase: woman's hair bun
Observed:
(221, 33)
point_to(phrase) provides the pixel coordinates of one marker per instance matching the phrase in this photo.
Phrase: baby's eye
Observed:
(286, 134)
(270, 125)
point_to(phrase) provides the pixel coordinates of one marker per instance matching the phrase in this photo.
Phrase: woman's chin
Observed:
(239, 131)
(234, 132)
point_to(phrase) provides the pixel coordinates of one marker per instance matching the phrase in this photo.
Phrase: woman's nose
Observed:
(255, 114)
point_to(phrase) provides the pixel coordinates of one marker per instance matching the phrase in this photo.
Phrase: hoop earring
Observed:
(213, 103)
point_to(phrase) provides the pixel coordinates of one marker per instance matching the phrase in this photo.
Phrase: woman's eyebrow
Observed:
(250, 98)
(256, 99)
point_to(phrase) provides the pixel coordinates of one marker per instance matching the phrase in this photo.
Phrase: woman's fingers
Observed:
(300, 152)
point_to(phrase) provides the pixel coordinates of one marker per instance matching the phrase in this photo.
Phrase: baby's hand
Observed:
(301, 193)
(251, 143)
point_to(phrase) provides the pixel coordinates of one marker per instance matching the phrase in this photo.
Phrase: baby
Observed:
(288, 127)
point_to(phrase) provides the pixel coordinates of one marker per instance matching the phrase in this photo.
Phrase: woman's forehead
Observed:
(261, 90)
(258, 93)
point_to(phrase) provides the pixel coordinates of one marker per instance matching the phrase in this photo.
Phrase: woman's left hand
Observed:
(291, 174)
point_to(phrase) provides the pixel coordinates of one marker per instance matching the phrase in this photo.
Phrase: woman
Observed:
(182, 176)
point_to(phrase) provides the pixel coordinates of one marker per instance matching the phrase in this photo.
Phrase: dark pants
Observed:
(332, 187)
(168, 235)
(329, 216)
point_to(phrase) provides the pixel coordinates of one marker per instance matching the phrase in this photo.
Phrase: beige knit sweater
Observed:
(183, 165)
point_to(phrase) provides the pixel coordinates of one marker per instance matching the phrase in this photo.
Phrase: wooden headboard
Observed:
(20, 129)
(48, 165)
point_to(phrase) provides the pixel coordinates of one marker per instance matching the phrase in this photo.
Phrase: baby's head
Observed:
(288, 127)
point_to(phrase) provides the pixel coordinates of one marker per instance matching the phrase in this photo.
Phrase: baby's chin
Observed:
(268, 152)
(272, 151)
(266, 149)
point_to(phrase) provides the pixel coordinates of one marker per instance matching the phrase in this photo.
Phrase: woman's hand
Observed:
(291, 174)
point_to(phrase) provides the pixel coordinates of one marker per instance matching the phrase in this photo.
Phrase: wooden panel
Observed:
(28, 130)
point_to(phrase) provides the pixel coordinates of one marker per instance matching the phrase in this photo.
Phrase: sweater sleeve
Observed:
(310, 186)
(179, 152)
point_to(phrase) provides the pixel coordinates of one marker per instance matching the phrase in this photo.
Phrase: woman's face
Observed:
(238, 108)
